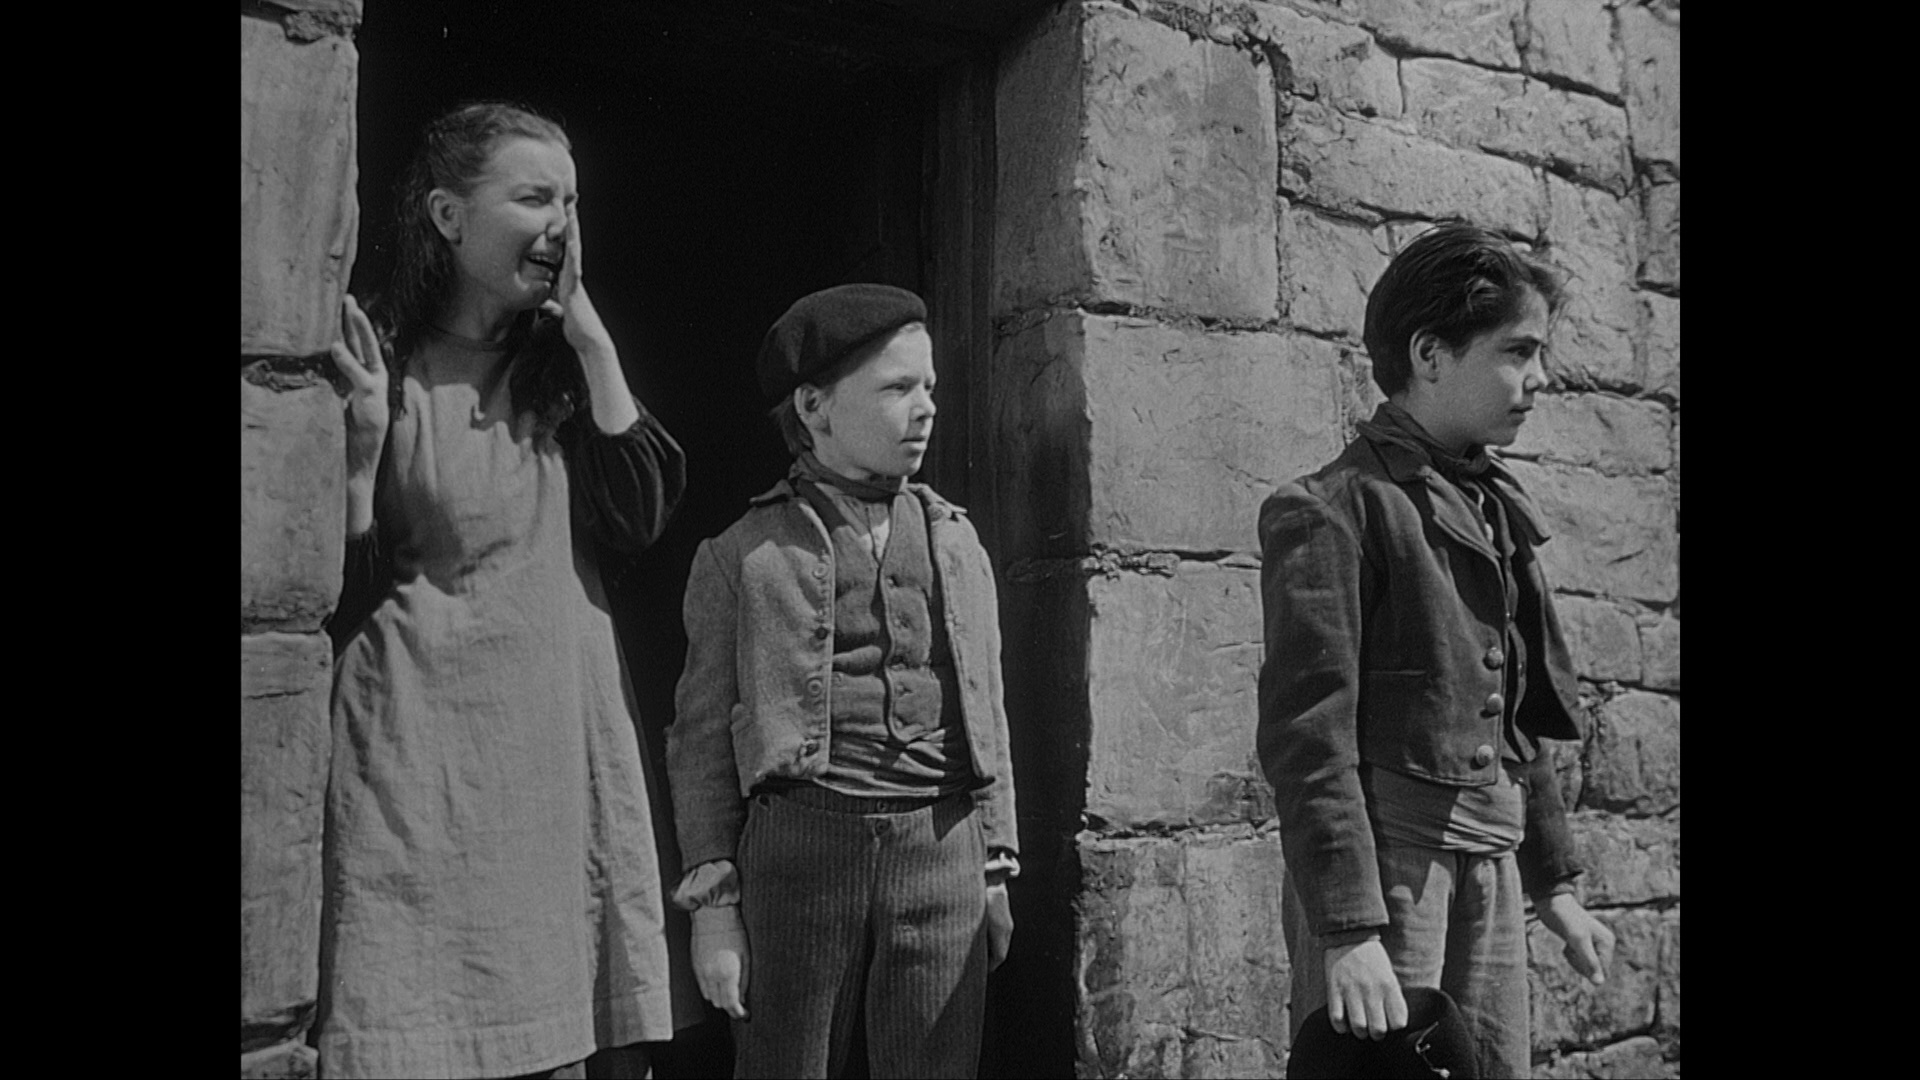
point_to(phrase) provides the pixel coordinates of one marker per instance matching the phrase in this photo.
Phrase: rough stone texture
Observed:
(1572, 40)
(1327, 268)
(284, 739)
(1638, 1058)
(1476, 30)
(1038, 120)
(292, 504)
(1181, 959)
(1174, 665)
(1660, 237)
(1650, 42)
(1611, 535)
(1590, 235)
(1628, 860)
(1366, 169)
(1514, 116)
(1335, 64)
(1125, 433)
(1612, 434)
(1603, 639)
(1569, 1010)
(298, 211)
(1660, 653)
(1661, 361)
(1666, 1023)
(288, 1061)
(1633, 759)
(1178, 171)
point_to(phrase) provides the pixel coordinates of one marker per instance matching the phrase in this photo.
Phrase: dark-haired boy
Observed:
(1414, 662)
(839, 762)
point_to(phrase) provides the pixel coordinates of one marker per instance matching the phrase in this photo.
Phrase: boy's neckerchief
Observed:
(807, 467)
(1474, 469)
(1396, 425)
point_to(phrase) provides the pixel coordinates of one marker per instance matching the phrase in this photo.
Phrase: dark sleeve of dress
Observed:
(365, 579)
(624, 486)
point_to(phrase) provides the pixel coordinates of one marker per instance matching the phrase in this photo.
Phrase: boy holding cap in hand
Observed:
(1414, 663)
(839, 760)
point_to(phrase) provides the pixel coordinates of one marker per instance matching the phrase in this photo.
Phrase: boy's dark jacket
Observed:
(752, 703)
(1384, 610)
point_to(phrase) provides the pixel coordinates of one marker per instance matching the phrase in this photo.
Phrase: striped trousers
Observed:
(854, 915)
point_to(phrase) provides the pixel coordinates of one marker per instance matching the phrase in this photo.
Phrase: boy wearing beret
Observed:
(839, 764)
(1413, 664)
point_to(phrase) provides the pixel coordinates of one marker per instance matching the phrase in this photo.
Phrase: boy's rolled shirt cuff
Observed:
(1002, 866)
(712, 884)
(1342, 938)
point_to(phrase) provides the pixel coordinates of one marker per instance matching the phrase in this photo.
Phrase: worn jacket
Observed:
(753, 702)
(1385, 613)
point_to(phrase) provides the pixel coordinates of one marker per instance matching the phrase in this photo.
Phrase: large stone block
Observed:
(1650, 40)
(1612, 434)
(1129, 434)
(284, 747)
(1660, 236)
(1514, 116)
(1039, 125)
(1628, 860)
(1661, 359)
(1569, 1011)
(1182, 963)
(1610, 535)
(1238, 959)
(1327, 268)
(1476, 30)
(1365, 169)
(1660, 653)
(1178, 171)
(1666, 1022)
(1572, 40)
(1173, 672)
(1603, 639)
(1590, 235)
(1335, 64)
(1638, 1058)
(298, 211)
(1633, 758)
(292, 502)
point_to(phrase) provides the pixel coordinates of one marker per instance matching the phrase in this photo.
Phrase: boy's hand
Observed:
(1363, 996)
(999, 925)
(1589, 944)
(720, 958)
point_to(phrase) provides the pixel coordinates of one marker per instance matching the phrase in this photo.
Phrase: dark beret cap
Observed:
(821, 328)
(1435, 1043)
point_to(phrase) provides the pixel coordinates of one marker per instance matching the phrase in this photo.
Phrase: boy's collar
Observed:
(937, 506)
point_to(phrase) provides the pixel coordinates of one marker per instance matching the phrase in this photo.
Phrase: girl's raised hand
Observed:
(580, 322)
(357, 355)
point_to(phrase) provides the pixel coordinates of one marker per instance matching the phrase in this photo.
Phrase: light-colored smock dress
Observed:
(492, 902)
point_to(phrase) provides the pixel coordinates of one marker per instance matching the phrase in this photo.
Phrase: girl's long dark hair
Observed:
(454, 152)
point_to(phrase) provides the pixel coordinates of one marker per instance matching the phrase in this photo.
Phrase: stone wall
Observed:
(298, 219)
(1193, 199)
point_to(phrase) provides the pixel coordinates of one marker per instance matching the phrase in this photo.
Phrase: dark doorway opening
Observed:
(732, 157)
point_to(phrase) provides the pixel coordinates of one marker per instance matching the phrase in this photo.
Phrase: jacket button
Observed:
(820, 572)
(1495, 657)
(811, 747)
(1483, 756)
(813, 686)
(821, 633)
(1495, 704)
